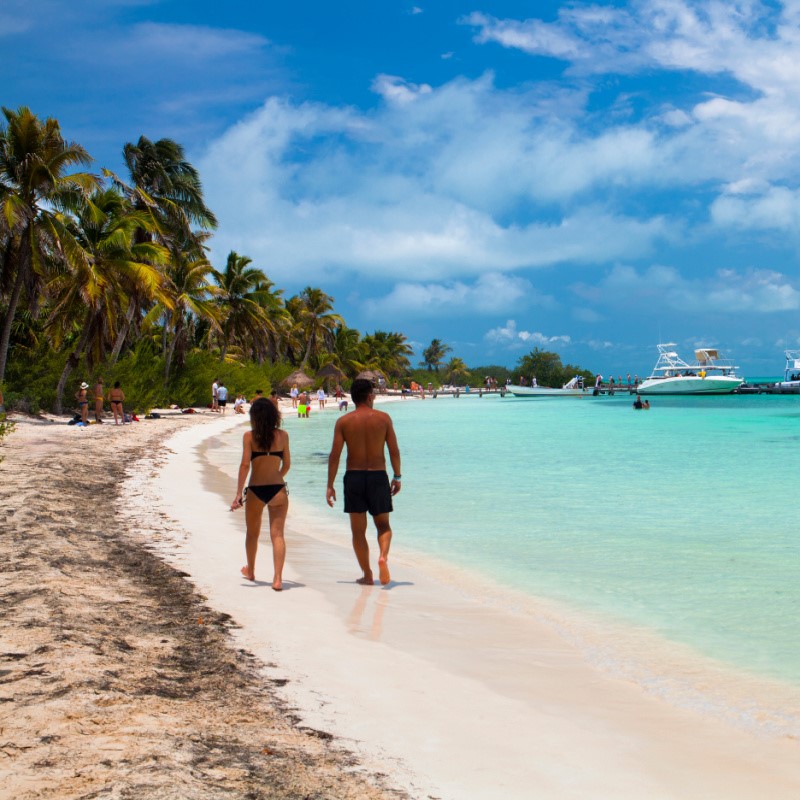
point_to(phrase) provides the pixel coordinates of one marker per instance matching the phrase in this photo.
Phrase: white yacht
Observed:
(709, 374)
(791, 372)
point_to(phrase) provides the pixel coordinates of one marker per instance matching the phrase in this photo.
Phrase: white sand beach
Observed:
(427, 679)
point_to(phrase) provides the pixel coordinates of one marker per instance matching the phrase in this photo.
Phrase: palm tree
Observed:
(247, 305)
(388, 352)
(91, 295)
(456, 370)
(433, 355)
(316, 322)
(35, 191)
(349, 352)
(168, 188)
(191, 295)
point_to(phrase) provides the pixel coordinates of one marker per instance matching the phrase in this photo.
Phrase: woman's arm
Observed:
(286, 463)
(244, 469)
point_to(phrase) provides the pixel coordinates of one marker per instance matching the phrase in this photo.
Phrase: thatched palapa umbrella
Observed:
(377, 378)
(297, 377)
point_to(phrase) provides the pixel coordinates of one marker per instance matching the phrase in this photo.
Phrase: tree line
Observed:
(100, 268)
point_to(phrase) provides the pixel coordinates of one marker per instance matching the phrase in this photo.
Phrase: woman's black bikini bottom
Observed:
(266, 492)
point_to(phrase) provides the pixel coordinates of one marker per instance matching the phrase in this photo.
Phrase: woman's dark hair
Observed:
(264, 421)
(116, 384)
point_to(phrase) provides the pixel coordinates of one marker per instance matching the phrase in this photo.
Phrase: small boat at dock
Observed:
(573, 388)
(709, 374)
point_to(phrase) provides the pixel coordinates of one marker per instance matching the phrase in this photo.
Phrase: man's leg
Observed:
(384, 541)
(358, 525)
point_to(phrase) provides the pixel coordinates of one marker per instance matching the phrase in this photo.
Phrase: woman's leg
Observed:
(253, 510)
(278, 507)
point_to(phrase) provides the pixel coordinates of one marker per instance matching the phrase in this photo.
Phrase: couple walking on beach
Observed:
(366, 433)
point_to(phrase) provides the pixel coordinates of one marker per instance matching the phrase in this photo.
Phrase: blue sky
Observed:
(590, 178)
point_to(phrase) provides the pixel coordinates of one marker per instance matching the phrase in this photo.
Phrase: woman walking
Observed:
(266, 458)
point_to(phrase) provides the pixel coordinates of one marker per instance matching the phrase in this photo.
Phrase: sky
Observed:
(588, 178)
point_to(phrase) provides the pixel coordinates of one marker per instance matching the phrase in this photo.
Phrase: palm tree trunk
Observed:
(13, 302)
(170, 351)
(123, 332)
(72, 361)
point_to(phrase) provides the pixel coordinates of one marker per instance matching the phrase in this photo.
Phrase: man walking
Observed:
(366, 432)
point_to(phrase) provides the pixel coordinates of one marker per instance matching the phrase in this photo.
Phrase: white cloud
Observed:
(414, 186)
(776, 208)
(489, 294)
(760, 291)
(511, 336)
(397, 90)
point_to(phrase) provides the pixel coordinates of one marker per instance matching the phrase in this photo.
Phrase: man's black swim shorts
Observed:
(367, 490)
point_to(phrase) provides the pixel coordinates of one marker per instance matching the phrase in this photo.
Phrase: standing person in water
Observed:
(367, 433)
(266, 458)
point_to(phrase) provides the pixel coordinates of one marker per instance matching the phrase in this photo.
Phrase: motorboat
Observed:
(709, 374)
(791, 372)
(573, 388)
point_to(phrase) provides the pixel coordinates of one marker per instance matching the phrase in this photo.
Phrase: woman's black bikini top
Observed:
(257, 453)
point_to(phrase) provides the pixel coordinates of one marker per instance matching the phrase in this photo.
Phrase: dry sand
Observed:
(117, 680)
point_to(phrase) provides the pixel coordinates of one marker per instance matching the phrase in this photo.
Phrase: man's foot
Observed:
(383, 571)
(277, 585)
(366, 580)
(248, 573)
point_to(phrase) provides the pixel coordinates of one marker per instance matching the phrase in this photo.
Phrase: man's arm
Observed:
(333, 461)
(394, 456)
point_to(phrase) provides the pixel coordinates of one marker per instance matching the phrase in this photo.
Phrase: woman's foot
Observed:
(277, 585)
(248, 573)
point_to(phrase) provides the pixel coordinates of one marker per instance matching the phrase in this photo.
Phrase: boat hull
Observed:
(545, 391)
(690, 385)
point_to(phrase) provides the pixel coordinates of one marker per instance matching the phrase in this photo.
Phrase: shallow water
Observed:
(679, 522)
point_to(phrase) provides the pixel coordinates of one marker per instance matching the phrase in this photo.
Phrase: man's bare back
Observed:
(366, 432)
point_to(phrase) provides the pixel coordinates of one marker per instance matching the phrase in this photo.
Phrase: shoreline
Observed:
(555, 697)
(116, 677)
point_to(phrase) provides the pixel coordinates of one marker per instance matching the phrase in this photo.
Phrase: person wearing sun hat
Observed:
(82, 396)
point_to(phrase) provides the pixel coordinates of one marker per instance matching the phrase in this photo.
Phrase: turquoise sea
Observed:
(681, 521)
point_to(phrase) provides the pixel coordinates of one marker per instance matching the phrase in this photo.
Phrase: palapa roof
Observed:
(297, 377)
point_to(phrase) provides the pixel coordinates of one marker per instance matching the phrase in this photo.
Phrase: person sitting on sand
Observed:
(82, 396)
(266, 458)
(238, 405)
(366, 432)
(116, 397)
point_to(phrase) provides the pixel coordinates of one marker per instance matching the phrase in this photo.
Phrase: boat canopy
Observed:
(706, 355)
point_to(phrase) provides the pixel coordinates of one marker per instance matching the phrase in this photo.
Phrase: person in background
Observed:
(83, 402)
(214, 398)
(273, 398)
(294, 394)
(99, 392)
(116, 397)
(222, 397)
(238, 405)
(321, 398)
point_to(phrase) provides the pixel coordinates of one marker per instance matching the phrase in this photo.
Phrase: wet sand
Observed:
(117, 679)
